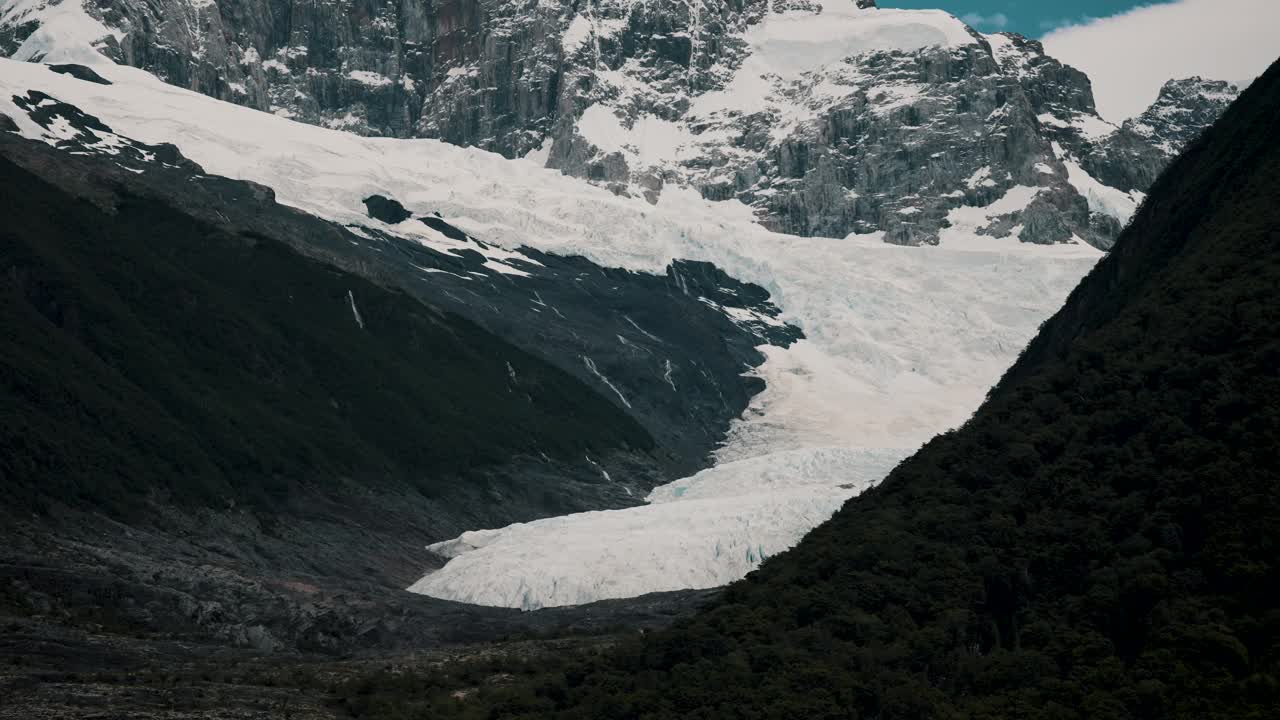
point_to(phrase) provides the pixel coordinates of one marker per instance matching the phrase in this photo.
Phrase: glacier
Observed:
(903, 343)
(702, 531)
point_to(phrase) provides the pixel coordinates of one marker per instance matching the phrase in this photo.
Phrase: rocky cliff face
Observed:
(826, 117)
(1184, 108)
(1132, 157)
(902, 123)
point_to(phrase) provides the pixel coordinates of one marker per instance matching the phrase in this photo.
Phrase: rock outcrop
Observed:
(1132, 157)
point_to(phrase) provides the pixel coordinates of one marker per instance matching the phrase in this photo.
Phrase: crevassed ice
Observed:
(902, 342)
(702, 531)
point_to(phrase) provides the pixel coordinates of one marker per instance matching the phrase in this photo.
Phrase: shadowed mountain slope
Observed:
(148, 353)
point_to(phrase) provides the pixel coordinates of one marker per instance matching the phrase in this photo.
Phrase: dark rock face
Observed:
(92, 136)
(1060, 96)
(646, 342)
(888, 141)
(1127, 161)
(487, 73)
(873, 163)
(1127, 158)
(1182, 111)
(80, 72)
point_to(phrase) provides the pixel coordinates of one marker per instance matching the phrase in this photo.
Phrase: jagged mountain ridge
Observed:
(1132, 157)
(905, 134)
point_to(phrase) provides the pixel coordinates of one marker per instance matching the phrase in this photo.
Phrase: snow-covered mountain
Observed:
(797, 146)
(901, 343)
(826, 117)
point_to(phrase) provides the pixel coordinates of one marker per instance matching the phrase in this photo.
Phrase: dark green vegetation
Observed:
(1099, 542)
(147, 354)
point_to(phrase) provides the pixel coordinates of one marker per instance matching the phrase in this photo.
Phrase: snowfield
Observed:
(903, 343)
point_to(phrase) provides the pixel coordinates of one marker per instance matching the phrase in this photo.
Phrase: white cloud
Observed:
(998, 21)
(1060, 23)
(1129, 56)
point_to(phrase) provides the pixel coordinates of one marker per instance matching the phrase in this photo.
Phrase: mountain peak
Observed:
(1183, 109)
(1197, 83)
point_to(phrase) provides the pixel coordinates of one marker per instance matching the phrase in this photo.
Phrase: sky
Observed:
(1129, 48)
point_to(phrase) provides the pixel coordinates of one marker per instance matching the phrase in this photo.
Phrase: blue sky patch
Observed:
(1032, 18)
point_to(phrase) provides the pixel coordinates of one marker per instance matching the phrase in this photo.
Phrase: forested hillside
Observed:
(1099, 541)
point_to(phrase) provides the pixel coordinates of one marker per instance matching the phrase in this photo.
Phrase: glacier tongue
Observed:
(703, 531)
(903, 342)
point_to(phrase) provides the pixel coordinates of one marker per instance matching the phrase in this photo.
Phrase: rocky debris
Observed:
(169, 579)
(149, 624)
